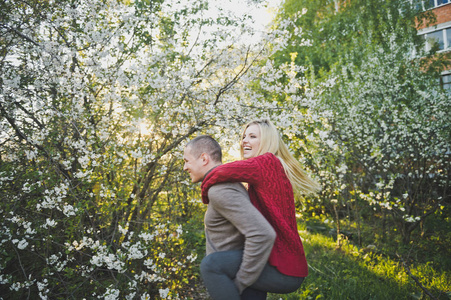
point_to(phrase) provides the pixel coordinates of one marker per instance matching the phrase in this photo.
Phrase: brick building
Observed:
(439, 33)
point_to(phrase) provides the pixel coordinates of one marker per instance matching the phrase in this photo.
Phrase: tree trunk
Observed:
(337, 221)
(357, 218)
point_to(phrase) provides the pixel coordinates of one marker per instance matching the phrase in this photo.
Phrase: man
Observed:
(239, 240)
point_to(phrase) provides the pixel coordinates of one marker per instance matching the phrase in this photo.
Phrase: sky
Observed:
(264, 15)
(261, 14)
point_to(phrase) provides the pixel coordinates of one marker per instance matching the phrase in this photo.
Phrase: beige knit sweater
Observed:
(233, 223)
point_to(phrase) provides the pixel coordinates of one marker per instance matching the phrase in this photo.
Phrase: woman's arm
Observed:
(249, 171)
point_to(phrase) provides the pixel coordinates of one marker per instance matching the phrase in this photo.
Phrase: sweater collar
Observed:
(208, 172)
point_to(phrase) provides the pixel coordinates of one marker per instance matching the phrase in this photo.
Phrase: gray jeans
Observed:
(219, 269)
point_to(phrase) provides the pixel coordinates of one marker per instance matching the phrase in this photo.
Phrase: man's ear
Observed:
(205, 158)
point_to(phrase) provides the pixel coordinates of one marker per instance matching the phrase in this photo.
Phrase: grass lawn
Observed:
(352, 273)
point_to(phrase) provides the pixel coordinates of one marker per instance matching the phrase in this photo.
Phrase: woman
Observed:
(271, 173)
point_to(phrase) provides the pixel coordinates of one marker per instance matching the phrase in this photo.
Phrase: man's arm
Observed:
(232, 202)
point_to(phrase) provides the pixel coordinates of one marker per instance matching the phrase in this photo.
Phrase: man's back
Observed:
(233, 223)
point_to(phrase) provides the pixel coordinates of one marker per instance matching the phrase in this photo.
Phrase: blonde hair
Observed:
(271, 141)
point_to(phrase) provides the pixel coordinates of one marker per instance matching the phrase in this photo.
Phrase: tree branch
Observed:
(243, 71)
(29, 114)
(22, 136)
(417, 281)
(22, 35)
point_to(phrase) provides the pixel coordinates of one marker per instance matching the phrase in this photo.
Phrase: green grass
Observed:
(352, 273)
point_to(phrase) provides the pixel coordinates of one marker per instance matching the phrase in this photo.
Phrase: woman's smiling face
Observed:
(251, 141)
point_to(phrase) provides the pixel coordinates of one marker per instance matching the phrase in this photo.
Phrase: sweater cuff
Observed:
(241, 287)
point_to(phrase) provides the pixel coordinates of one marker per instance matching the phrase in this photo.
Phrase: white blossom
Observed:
(110, 294)
(164, 293)
(22, 244)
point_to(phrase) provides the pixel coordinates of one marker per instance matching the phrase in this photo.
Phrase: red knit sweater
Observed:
(272, 194)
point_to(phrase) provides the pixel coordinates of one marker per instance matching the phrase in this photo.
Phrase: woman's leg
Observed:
(271, 280)
(253, 294)
(218, 270)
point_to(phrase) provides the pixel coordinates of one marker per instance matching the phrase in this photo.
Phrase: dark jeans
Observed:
(219, 269)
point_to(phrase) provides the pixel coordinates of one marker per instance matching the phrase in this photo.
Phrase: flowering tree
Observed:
(97, 99)
(387, 126)
(341, 31)
(374, 131)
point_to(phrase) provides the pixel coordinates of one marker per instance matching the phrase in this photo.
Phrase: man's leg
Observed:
(218, 271)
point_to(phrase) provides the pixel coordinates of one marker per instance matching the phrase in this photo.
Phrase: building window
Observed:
(445, 82)
(428, 4)
(435, 39)
(435, 3)
(438, 38)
